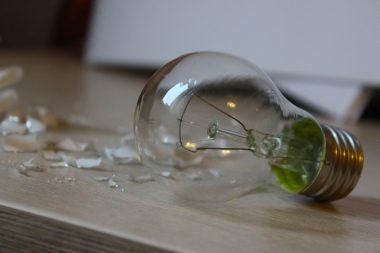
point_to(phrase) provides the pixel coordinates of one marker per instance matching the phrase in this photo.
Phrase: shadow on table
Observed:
(300, 214)
(357, 206)
(310, 216)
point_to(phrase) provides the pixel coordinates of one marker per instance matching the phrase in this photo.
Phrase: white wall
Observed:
(339, 38)
(321, 52)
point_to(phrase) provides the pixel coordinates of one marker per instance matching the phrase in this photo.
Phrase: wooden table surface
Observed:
(44, 212)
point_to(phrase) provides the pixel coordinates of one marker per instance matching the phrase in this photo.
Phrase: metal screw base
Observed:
(341, 170)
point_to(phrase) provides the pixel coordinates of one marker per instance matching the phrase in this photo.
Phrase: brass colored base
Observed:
(342, 166)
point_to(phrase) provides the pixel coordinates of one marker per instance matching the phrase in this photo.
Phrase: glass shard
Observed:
(193, 175)
(18, 143)
(71, 145)
(127, 139)
(122, 155)
(112, 183)
(100, 178)
(167, 174)
(36, 164)
(34, 126)
(58, 165)
(51, 155)
(88, 163)
(81, 163)
(12, 125)
(214, 172)
(140, 179)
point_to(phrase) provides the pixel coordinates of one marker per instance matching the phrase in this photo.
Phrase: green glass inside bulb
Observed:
(304, 154)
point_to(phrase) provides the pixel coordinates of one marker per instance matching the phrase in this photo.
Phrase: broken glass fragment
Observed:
(36, 164)
(214, 172)
(51, 155)
(122, 155)
(193, 175)
(18, 143)
(34, 126)
(112, 183)
(58, 165)
(81, 163)
(71, 145)
(88, 163)
(167, 174)
(140, 179)
(12, 125)
(101, 178)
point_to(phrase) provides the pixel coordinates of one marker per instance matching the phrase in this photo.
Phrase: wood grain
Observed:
(25, 232)
(45, 213)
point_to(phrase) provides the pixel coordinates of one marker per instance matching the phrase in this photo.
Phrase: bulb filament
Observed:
(261, 144)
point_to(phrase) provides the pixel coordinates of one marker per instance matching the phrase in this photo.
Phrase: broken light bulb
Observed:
(211, 112)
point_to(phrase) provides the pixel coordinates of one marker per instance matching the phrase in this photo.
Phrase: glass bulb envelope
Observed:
(222, 129)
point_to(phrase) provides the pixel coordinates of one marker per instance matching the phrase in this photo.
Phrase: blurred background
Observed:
(324, 55)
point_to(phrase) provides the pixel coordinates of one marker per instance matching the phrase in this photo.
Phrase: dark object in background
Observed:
(44, 23)
(27, 24)
(72, 24)
(372, 110)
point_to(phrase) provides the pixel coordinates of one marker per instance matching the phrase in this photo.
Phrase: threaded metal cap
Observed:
(341, 169)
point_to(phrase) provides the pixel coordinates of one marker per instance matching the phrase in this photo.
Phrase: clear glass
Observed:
(222, 129)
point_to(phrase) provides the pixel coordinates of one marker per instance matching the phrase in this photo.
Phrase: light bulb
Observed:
(221, 128)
